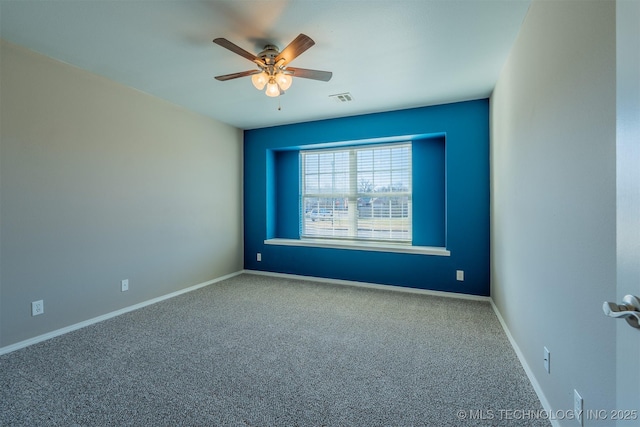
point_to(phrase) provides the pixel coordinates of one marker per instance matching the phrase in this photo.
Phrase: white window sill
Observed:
(361, 246)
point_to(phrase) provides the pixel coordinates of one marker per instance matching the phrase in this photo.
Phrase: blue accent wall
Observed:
(287, 199)
(453, 142)
(429, 195)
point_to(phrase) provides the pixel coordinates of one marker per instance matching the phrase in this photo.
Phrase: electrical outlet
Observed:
(259, 257)
(37, 308)
(578, 406)
(547, 360)
(460, 275)
(124, 285)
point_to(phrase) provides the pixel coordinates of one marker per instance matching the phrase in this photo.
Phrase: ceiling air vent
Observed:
(342, 97)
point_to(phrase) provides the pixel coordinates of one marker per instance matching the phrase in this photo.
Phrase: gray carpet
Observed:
(262, 351)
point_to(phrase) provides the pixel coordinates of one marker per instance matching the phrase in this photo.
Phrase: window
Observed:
(357, 193)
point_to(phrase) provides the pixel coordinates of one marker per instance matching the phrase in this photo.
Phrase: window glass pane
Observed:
(325, 162)
(365, 160)
(311, 184)
(326, 183)
(382, 159)
(400, 180)
(326, 217)
(399, 156)
(381, 180)
(341, 161)
(311, 163)
(365, 182)
(341, 183)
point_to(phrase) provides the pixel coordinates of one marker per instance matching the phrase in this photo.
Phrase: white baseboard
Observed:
(525, 366)
(370, 285)
(514, 345)
(67, 329)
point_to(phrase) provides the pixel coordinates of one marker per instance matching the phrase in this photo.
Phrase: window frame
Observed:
(397, 220)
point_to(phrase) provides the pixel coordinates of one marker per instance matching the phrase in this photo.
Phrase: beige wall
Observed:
(553, 160)
(100, 183)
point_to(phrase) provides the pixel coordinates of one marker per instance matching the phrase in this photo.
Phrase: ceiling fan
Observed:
(272, 70)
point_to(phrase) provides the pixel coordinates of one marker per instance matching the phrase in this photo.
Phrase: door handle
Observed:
(628, 310)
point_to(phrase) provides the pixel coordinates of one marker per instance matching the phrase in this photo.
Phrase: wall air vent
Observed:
(342, 97)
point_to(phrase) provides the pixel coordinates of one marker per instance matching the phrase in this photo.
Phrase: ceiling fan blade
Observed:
(238, 50)
(324, 76)
(237, 75)
(295, 48)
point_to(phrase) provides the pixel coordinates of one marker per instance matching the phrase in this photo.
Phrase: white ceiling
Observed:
(389, 55)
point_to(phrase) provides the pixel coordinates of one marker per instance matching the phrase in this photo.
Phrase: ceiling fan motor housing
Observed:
(269, 54)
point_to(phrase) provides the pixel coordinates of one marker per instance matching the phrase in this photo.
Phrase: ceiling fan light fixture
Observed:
(260, 80)
(272, 88)
(284, 80)
(273, 70)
